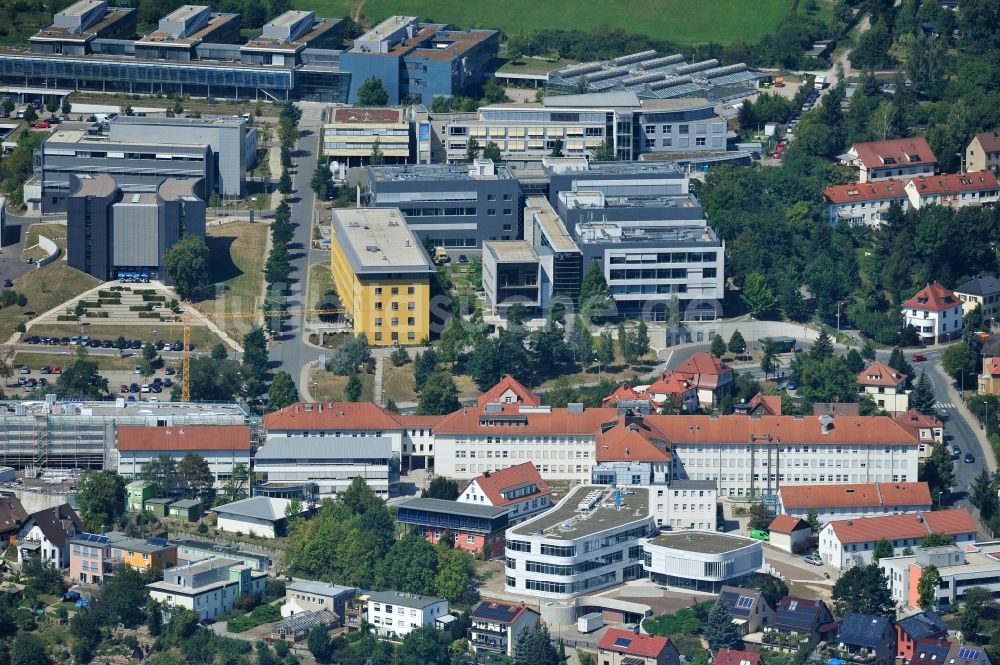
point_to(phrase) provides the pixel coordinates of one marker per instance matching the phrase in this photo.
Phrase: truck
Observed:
(590, 622)
(820, 82)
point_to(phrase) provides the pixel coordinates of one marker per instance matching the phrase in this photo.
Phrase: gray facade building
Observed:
(114, 229)
(233, 143)
(73, 153)
(456, 206)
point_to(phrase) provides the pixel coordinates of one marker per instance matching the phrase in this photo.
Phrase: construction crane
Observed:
(188, 318)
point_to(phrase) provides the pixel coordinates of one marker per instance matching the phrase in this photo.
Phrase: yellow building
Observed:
(382, 275)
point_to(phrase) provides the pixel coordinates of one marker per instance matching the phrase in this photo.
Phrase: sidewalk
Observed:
(962, 410)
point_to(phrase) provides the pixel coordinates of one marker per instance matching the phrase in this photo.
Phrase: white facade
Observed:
(934, 324)
(763, 466)
(209, 587)
(558, 457)
(845, 555)
(570, 551)
(960, 571)
(686, 504)
(519, 511)
(395, 613)
(701, 560)
(248, 525)
(261, 519)
(220, 462)
(867, 212)
(984, 195)
(48, 551)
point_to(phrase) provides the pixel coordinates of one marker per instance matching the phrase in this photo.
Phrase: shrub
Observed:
(67, 317)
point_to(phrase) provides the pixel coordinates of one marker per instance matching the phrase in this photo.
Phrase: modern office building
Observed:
(591, 540)
(649, 75)
(74, 29)
(419, 61)
(453, 206)
(961, 568)
(209, 587)
(69, 153)
(701, 560)
(114, 229)
(221, 446)
(559, 256)
(577, 125)
(513, 273)
(350, 134)
(382, 275)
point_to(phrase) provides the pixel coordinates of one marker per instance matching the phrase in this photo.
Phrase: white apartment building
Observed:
(221, 446)
(936, 312)
(864, 202)
(847, 543)
(518, 488)
(853, 500)
(394, 613)
(589, 541)
(955, 190)
(686, 505)
(209, 587)
(961, 568)
(746, 455)
(893, 158)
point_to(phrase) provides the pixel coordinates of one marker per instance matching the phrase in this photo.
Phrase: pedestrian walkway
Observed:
(945, 405)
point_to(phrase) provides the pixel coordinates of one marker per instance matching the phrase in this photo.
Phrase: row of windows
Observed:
(410, 321)
(410, 290)
(502, 454)
(394, 337)
(663, 257)
(394, 306)
(662, 273)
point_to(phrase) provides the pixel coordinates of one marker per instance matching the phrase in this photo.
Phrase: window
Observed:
(650, 143)
(667, 143)
(378, 337)
(411, 306)
(395, 291)
(666, 129)
(470, 539)
(411, 336)
(410, 290)
(395, 306)
(682, 129)
(699, 140)
(491, 197)
(650, 129)
(491, 212)
(378, 320)
(378, 307)
(508, 197)
(378, 291)
(394, 321)
(411, 321)
(508, 211)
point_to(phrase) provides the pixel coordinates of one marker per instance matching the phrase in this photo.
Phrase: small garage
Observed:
(790, 534)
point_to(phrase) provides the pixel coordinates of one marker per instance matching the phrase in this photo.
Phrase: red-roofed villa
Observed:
(936, 313)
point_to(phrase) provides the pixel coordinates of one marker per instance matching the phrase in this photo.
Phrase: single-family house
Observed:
(737, 657)
(866, 639)
(982, 292)
(799, 622)
(748, 607)
(983, 152)
(885, 386)
(920, 626)
(259, 515)
(928, 429)
(712, 378)
(12, 517)
(394, 613)
(518, 488)
(936, 313)
(209, 587)
(495, 626)
(625, 647)
(46, 535)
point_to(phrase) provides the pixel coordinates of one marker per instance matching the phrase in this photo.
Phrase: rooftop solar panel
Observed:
(970, 654)
(495, 612)
(744, 601)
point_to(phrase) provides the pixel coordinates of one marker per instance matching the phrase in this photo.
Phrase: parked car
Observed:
(133, 388)
(168, 382)
(43, 382)
(8, 283)
(45, 369)
(170, 371)
(137, 369)
(145, 388)
(56, 369)
(123, 389)
(44, 124)
(760, 534)
(969, 458)
(813, 559)
(956, 452)
(25, 369)
(793, 385)
(462, 258)
(918, 357)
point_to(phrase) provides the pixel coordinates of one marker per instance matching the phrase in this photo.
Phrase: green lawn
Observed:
(679, 21)
(329, 387)
(54, 232)
(45, 288)
(237, 273)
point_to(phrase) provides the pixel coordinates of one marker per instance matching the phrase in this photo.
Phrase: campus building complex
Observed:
(382, 275)
(350, 135)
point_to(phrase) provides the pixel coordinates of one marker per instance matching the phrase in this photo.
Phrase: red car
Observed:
(123, 389)
(918, 358)
(44, 124)
(56, 369)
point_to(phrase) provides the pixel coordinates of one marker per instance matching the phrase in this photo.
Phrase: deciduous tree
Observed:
(927, 587)
(282, 392)
(372, 92)
(101, 499)
(187, 264)
(195, 474)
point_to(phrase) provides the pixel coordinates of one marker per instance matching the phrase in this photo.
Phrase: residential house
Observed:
(209, 587)
(735, 657)
(846, 543)
(961, 567)
(928, 429)
(789, 534)
(927, 625)
(797, 622)
(712, 378)
(853, 500)
(983, 292)
(885, 386)
(936, 313)
(954, 190)
(760, 405)
(12, 517)
(893, 158)
(748, 607)
(303, 596)
(962, 654)
(866, 639)
(394, 613)
(476, 528)
(222, 446)
(625, 647)
(95, 556)
(989, 380)
(983, 152)
(495, 626)
(864, 203)
(46, 535)
(259, 515)
(930, 651)
(518, 488)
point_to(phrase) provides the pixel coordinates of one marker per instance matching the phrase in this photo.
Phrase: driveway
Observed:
(11, 265)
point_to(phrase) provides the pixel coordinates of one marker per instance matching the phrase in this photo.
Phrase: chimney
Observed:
(486, 474)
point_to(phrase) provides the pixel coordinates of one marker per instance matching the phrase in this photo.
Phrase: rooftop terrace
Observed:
(568, 522)
(482, 169)
(702, 542)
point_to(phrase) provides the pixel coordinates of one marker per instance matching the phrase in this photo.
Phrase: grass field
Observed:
(237, 273)
(45, 288)
(54, 232)
(679, 21)
(329, 387)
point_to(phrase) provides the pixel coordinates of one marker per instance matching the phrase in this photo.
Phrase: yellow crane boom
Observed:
(186, 353)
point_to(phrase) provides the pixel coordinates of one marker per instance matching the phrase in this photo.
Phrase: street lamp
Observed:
(940, 492)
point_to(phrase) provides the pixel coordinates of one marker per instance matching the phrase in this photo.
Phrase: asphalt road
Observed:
(11, 265)
(291, 353)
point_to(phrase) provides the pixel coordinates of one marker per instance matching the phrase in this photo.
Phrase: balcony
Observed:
(485, 643)
(861, 656)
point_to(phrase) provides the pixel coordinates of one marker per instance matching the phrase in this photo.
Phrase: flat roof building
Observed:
(350, 134)
(701, 560)
(589, 541)
(382, 274)
(74, 28)
(454, 206)
(478, 529)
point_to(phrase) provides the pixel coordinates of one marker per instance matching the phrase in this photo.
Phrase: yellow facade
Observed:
(154, 561)
(385, 308)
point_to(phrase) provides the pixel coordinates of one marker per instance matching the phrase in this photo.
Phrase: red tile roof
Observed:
(509, 383)
(915, 525)
(914, 420)
(703, 363)
(184, 437)
(734, 657)
(647, 646)
(855, 495)
(411, 421)
(332, 416)
(632, 443)
(765, 404)
(990, 141)
(993, 366)
(787, 524)
(471, 420)
(860, 430)
(954, 183)
(494, 483)
(895, 152)
(671, 383)
(624, 392)
(932, 298)
(879, 374)
(879, 190)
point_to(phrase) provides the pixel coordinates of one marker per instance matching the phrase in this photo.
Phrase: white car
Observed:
(145, 388)
(813, 559)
